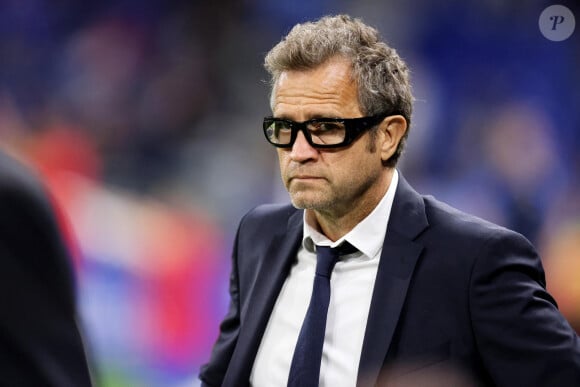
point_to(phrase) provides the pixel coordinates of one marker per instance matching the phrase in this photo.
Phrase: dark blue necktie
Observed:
(305, 368)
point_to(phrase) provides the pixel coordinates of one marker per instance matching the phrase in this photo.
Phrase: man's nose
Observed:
(302, 150)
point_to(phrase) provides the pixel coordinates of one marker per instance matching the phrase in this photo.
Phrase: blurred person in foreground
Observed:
(40, 341)
(428, 296)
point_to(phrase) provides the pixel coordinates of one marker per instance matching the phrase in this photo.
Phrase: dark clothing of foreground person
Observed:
(40, 341)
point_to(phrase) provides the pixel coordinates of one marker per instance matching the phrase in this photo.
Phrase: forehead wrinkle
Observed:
(310, 111)
(298, 100)
(313, 102)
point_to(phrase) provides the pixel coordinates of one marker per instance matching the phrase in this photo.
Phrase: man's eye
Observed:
(328, 126)
(282, 127)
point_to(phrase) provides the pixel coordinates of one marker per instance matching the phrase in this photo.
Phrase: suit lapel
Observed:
(398, 259)
(276, 263)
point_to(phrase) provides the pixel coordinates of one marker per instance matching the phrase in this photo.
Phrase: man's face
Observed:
(334, 181)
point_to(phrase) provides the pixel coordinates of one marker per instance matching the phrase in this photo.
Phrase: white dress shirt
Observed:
(352, 284)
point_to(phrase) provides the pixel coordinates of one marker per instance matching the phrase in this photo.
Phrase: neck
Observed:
(335, 223)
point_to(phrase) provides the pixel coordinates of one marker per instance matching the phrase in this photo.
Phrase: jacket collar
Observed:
(400, 254)
(276, 264)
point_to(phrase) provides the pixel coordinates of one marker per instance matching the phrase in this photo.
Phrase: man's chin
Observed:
(306, 202)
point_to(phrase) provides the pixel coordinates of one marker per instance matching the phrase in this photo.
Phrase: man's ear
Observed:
(393, 128)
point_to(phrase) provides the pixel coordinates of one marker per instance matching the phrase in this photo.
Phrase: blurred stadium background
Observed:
(144, 120)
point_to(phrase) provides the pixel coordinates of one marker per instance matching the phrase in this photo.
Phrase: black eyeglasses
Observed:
(319, 132)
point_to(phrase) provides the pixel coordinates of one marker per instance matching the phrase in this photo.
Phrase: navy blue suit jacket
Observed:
(456, 298)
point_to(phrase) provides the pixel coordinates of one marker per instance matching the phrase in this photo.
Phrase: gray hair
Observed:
(382, 77)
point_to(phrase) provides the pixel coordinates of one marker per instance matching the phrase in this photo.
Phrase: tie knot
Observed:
(327, 256)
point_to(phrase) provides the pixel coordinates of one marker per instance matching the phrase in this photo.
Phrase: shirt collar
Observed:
(368, 235)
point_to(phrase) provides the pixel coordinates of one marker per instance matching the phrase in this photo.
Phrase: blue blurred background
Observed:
(144, 119)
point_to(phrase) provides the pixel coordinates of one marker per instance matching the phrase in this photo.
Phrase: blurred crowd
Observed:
(144, 119)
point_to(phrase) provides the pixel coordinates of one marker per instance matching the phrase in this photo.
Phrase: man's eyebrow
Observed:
(281, 117)
(315, 116)
(318, 116)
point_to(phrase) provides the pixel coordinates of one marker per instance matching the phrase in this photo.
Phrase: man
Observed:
(431, 296)
(40, 343)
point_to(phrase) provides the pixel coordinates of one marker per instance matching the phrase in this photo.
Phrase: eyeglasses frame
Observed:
(353, 127)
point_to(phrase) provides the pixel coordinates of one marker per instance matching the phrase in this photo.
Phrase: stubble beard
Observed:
(309, 201)
(334, 202)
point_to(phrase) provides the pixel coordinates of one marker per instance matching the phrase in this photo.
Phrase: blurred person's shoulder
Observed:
(20, 182)
(16, 171)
